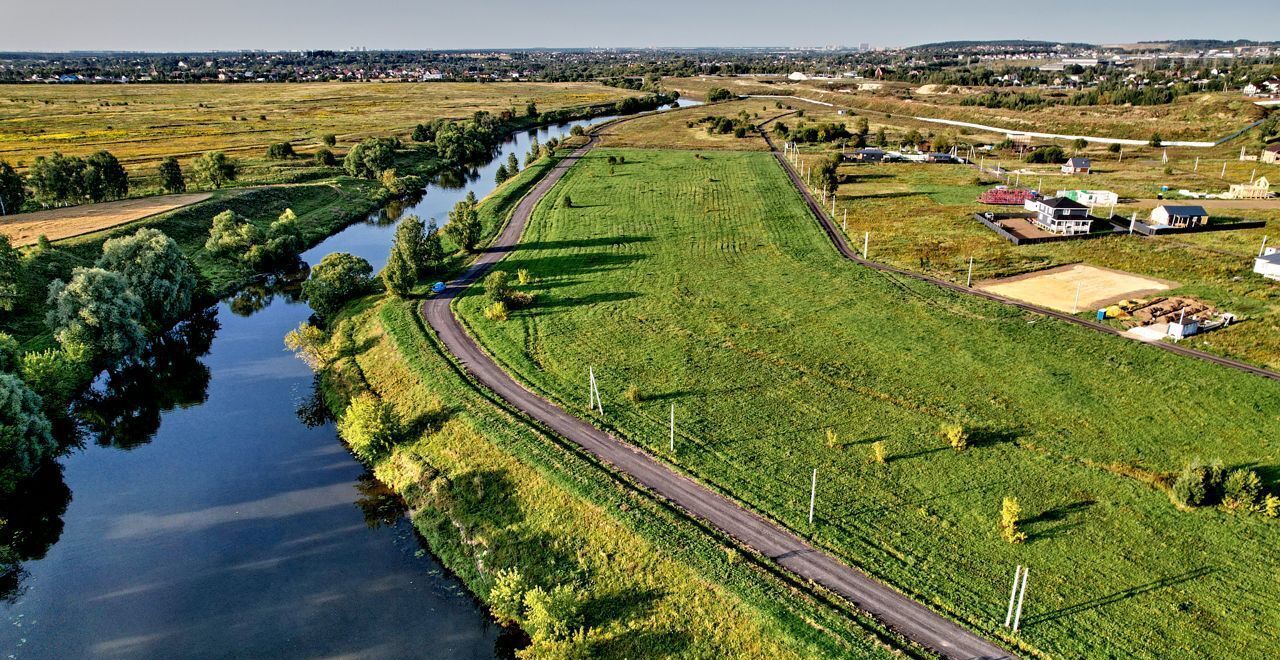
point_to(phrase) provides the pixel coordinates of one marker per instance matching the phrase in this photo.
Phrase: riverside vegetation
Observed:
(702, 280)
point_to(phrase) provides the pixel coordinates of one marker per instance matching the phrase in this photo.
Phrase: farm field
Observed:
(1199, 117)
(141, 124)
(491, 493)
(703, 283)
(672, 129)
(56, 224)
(921, 218)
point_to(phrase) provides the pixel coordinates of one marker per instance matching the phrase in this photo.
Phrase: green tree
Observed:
(497, 286)
(501, 174)
(398, 274)
(370, 158)
(281, 151)
(1155, 140)
(513, 164)
(325, 158)
(338, 277)
(231, 234)
(56, 374)
(506, 597)
(329, 140)
(26, 437)
(104, 177)
(531, 110)
(157, 271)
(432, 256)
(464, 225)
(10, 272)
(12, 193)
(369, 426)
(1242, 489)
(214, 169)
(10, 352)
(97, 310)
(551, 615)
(882, 139)
(171, 178)
(57, 180)
(717, 94)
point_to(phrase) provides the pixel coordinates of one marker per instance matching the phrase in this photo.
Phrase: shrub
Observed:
(1050, 154)
(1242, 489)
(956, 436)
(310, 344)
(338, 278)
(56, 374)
(281, 151)
(506, 597)
(633, 394)
(1155, 140)
(231, 233)
(497, 286)
(1114, 147)
(496, 311)
(329, 140)
(523, 276)
(717, 94)
(1271, 506)
(568, 202)
(1199, 484)
(879, 454)
(551, 615)
(577, 131)
(1010, 516)
(833, 439)
(10, 352)
(325, 158)
(370, 427)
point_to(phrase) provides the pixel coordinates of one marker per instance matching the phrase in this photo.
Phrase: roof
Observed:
(1078, 162)
(1274, 147)
(1183, 211)
(1062, 203)
(1273, 258)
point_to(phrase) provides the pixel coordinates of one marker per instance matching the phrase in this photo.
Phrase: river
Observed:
(203, 518)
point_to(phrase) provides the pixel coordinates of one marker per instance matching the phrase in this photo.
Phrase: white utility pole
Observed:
(1197, 167)
(1076, 307)
(1224, 170)
(866, 243)
(813, 494)
(673, 428)
(1263, 249)
(968, 283)
(846, 221)
(1013, 596)
(1022, 595)
(595, 402)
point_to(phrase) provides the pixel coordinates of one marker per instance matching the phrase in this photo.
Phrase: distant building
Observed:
(1091, 197)
(1259, 188)
(1060, 215)
(1170, 215)
(1268, 264)
(868, 155)
(936, 157)
(1271, 154)
(1076, 166)
(797, 75)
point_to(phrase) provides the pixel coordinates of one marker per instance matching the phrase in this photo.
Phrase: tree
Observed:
(497, 286)
(56, 374)
(577, 131)
(57, 180)
(1114, 147)
(10, 271)
(912, 137)
(369, 426)
(398, 274)
(882, 139)
(281, 151)
(326, 158)
(531, 110)
(329, 140)
(1010, 516)
(12, 193)
(26, 437)
(157, 271)
(1242, 489)
(506, 597)
(171, 178)
(513, 164)
(231, 233)
(1199, 484)
(1079, 143)
(501, 174)
(464, 225)
(214, 169)
(97, 310)
(717, 94)
(370, 158)
(10, 352)
(1155, 140)
(432, 255)
(407, 257)
(104, 177)
(338, 278)
(551, 615)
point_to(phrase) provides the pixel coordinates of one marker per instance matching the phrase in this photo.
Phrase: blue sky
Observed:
(432, 24)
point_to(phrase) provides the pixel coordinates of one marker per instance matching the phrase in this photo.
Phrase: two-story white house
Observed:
(1060, 215)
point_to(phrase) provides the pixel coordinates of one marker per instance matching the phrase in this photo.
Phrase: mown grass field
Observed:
(705, 283)
(672, 129)
(491, 493)
(1198, 117)
(141, 124)
(921, 218)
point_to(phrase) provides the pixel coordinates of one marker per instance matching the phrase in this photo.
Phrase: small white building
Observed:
(1259, 188)
(1091, 197)
(1060, 215)
(1267, 264)
(1076, 166)
(1169, 215)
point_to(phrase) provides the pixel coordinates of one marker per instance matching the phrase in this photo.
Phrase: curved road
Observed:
(895, 610)
(842, 245)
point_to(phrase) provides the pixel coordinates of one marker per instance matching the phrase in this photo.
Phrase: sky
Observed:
(166, 25)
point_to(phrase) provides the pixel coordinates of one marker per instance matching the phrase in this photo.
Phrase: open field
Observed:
(141, 124)
(706, 284)
(56, 224)
(1056, 288)
(921, 218)
(671, 130)
(491, 493)
(1200, 117)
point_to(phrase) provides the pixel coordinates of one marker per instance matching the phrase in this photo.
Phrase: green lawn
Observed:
(704, 283)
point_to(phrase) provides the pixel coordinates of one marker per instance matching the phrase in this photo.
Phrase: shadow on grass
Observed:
(1066, 517)
(619, 606)
(592, 299)
(600, 241)
(1123, 594)
(663, 643)
(887, 195)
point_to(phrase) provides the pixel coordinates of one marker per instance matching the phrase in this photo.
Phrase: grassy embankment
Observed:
(491, 492)
(704, 282)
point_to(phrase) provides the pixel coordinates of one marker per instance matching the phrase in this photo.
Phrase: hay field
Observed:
(1056, 288)
(670, 130)
(55, 224)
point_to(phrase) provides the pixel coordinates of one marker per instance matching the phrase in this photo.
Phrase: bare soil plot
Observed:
(1023, 228)
(1056, 288)
(26, 228)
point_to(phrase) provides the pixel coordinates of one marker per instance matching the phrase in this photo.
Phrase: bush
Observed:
(879, 454)
(1155, 140)
(956, 436)
(551, 615)
(370, 426)
(329, 140)
(1049, 154)
(281, 151)
(10, 352)
(717, 94)
(56, 374)
(1242, 489)
(632, 394)
(1199, 484)
(506, 597)
(325, 158)
(497, 286)
(523, 276)
(1271, 506)
(1010, 516)
(1114, 147)
(496, 311)
(338, 277)
(26, 437)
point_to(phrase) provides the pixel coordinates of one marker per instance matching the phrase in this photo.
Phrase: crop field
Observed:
(56, 224)
(671, 130)
(1199, 117)
(1076, 288)
(490, 493)
(921, 217)
(141, 124)
(704, 283)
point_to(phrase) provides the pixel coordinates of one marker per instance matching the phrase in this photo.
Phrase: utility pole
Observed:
(968, 283)
(1013, 596)
(1076, 307)
(673, 428)
(595, 402)
(846, 221)
(866, 242)
(1224, 170)
(813, 494)
(1022, 595)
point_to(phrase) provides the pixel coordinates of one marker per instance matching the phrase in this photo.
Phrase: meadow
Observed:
(701, 281)
(141, 124)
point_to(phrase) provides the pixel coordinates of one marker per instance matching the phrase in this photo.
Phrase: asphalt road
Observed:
(893, 609)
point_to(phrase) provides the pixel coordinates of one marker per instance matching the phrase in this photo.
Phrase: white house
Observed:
(1169, 215)
(1076, 166)
(1091, 197)
(1268, 264)
(1060, 215)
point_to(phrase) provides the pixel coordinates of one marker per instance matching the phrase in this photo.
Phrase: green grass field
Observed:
(704, 283)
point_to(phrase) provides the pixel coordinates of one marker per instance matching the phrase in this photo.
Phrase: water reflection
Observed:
(30, 523)
(255, 297)
(381, 506)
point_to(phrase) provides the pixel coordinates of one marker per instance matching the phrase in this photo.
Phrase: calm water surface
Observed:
(204, 519)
